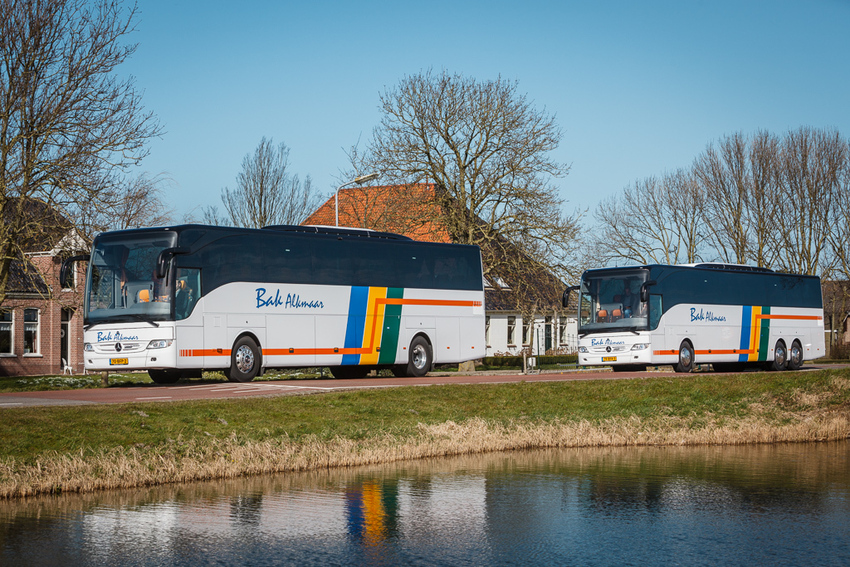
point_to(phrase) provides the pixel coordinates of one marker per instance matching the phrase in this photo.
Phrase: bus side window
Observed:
(188, 292)
(655, 310)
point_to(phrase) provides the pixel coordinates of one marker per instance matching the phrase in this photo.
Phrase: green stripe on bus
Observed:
(764, 336)
(392, 323)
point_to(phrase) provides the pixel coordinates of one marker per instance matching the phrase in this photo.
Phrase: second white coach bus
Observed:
(176, 300)
(727, 315)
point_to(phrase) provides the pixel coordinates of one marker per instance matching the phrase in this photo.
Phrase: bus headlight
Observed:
(89, 347)
(582, 349)
(160, 344)
(640, 346)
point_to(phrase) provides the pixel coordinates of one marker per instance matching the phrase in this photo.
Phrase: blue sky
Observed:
(638, 88)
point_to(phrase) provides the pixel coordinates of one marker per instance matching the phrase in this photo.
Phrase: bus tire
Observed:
(419, 357)
(686, 357)
(164, 376)
(795, 356)
(780, 356)
(245, 360)
(350, 372)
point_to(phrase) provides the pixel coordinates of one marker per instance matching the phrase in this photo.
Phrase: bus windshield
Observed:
(122, 282)
(611, 302)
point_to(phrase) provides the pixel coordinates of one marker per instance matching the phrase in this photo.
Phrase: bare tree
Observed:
(653, 221)
(70, 127)
(811, 168)
(138, 202)
(726, 177)
(266, 193)
(486, 148)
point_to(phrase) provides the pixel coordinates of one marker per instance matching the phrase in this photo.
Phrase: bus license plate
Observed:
(609, 359)
(118, 361)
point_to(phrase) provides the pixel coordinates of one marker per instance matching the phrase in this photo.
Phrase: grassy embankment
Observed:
(82, 448)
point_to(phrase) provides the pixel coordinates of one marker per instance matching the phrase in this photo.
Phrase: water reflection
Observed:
(778, 504)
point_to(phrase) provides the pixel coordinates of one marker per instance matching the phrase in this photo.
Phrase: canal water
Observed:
(751, 505)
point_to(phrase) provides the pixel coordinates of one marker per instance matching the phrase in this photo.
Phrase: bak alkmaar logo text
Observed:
(703, 315)
(105, 337)
(292, 300)
(602, 342)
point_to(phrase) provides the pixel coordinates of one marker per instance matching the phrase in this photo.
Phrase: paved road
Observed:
(190, 391)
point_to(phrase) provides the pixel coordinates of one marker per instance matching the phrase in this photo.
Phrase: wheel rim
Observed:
(780, 354)
(796, 354)
(419, 357)
(685, 356)
(244, 359)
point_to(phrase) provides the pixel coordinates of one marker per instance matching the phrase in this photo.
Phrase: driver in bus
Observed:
(630, 301)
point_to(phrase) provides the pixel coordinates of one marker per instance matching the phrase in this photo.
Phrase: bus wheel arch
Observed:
(246, 359)
(795, 355)
(686, 357)
(420, 356)
(780, 356)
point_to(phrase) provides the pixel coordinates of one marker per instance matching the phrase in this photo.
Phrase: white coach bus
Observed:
(727, 315)
(177, 300)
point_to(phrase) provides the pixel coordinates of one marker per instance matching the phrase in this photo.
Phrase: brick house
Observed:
(41, 324)
(408, 210)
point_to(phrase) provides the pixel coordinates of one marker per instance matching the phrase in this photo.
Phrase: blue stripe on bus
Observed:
(746, 323)
(356, 322)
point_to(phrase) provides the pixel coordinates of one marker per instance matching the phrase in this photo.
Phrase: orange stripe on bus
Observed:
(324, 351)
(791, 317)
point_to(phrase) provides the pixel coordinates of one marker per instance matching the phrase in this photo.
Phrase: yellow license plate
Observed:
(118, 361)
(609, 359)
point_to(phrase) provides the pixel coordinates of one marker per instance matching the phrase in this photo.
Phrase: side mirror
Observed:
(565, 300)
(66, 268)
(165, 257)
(644, 290)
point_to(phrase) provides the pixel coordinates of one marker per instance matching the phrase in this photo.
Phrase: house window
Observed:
(31, 331)
(6, 342)
(562, 330)
(487, 330)
(72, 277)
(511, 330)
(526, 334)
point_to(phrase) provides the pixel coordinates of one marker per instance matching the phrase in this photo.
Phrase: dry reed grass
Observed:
(186, 461)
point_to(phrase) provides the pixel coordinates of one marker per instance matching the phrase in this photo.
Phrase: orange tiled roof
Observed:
(402, 209)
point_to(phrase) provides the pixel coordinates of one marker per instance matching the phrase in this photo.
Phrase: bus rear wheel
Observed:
(795, 356)
(164, 376)
(780, 356)
(686, 357)
(419, 357)
(244, 360)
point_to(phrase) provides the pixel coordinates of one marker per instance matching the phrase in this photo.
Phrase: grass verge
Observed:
(84, 448)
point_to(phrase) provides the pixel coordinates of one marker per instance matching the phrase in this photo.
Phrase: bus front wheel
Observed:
(419, 358)
(244, 360)
(686, 357)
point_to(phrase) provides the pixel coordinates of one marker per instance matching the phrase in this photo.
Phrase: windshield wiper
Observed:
(123, 319)
(143, 319)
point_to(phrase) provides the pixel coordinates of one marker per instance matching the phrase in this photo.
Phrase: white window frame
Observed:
(11, 352)
(37, 352)
(511, 330)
